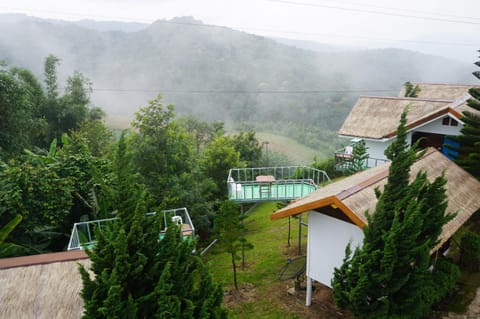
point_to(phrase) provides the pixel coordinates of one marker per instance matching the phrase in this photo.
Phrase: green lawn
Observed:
(263, 263)
(298, 153)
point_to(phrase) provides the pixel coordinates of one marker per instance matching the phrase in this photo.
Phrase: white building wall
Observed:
(437, 127)
(375, 150)
(327, 239)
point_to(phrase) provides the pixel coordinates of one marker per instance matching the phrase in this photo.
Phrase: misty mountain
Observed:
(217, 73)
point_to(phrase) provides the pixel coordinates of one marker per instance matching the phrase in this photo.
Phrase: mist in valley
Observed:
(219, 74)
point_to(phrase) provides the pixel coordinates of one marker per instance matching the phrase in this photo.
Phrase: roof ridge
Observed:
(375, 178)
(41, 259)
(407, 98)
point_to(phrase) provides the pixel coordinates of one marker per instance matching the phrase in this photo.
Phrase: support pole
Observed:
(243, 248)
(308, 300)
(300, 234)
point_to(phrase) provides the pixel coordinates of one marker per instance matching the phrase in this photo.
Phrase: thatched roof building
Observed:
(439, 91)
(42, 286)
(378, 117)
(350, 198)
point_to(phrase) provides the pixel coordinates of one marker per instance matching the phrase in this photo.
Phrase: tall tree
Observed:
(20, 122)
(469, 139)
(389, 276)
(249, 148)
(139, 276)
(230, 231)
(161, 148)
(50, 72)
(219, 157)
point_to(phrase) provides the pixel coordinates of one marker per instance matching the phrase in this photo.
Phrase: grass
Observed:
(298, 153)
(263, 263)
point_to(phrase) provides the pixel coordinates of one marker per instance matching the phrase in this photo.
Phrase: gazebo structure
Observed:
(83, 233)
(263, 184)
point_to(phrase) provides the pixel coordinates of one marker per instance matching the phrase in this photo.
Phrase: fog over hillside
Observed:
(217, 73)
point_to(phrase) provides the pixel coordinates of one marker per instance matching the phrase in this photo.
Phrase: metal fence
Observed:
(83, 233)
(281, 183)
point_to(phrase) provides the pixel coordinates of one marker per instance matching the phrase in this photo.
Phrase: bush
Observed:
(445, 276)
(470, 251)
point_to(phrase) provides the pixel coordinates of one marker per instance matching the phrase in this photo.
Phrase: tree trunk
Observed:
(234, 272)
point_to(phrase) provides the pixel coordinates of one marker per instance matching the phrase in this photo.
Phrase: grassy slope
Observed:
(298, 153)
(261, 294)
(262, 265)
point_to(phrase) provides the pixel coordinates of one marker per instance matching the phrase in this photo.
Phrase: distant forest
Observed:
(219, 74)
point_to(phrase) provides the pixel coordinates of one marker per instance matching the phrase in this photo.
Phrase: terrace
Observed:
(262, 184)
(83, 233)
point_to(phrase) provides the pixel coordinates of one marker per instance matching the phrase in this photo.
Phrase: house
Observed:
(434, 114)
(42, 286)
(336, 212)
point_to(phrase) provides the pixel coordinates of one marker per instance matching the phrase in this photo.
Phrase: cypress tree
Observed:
(469, 139)
(139, 275)
(389, 276)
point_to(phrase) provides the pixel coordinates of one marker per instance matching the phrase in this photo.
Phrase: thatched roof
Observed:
(42, 286)
(378, 117)
(440, 91)
(354, 195)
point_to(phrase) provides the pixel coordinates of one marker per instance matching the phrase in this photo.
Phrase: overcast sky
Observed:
(442, 27)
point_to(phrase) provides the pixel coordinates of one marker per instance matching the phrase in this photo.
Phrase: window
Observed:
(449, 121)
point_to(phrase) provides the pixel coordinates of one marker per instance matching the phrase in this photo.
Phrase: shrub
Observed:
(470, 251)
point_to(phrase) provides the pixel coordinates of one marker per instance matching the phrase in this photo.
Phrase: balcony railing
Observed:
(273, 183)
(83, 233)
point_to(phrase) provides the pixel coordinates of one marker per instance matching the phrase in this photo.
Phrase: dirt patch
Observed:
(322, 302)
(245, 293)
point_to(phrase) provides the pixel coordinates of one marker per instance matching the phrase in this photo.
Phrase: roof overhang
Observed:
(332, 201)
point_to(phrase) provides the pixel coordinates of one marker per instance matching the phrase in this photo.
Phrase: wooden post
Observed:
(243, 248)
(300, 234)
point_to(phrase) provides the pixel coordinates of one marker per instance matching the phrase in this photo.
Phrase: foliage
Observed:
(360, 157)
(202, 132)
(139, 276)
(67, 112)
(6, 248)
(161, 148)
(389, 276)
(249, 148)
(411, 90)
(20, 100)
(230, 231)
(469, 138)
(327, 165)
(219, 157)
(470, 251)
(96, 135)
(34, 189)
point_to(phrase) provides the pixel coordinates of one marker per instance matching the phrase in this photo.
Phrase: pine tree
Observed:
(410, 90)
(230, 233)
(389, 276)
(360, 157)
(137, 275)
(469, 139)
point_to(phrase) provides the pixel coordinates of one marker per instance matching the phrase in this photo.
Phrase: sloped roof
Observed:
(378, 117)
(439, 90)
(42, 286)
(355, 195)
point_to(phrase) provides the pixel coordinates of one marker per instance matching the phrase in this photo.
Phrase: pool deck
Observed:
(260, 192)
